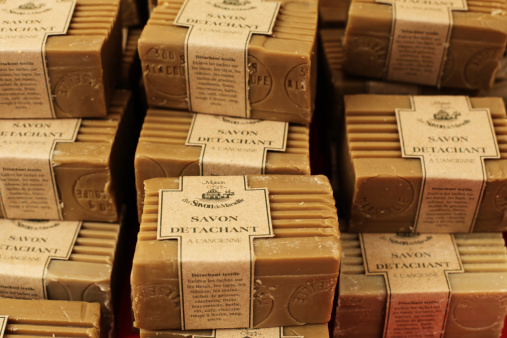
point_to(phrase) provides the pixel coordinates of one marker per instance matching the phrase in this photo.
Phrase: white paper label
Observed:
(416, 270)
(272, 332)
(26, 249)
(452, 140)
(212, 217)
(24, 79)
(3, 324)
(27, 182)
(419, 39)
(216, 51)
(235, 146)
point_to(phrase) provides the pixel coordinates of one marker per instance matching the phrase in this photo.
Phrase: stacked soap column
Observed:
(89, 173)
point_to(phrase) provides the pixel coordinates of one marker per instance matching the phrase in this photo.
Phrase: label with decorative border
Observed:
(26, 249)
(211, 217)
(216, 51)
(420, 36)
(416, 270)
(27, 182)
(3, 324)
(452, 140)
(25, 91)
(235, 146)
(272, 332)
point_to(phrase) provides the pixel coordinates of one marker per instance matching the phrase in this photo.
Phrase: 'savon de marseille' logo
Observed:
(30, 8)
(406, 238)
(215, 198)
(233, 5)
(445, 120)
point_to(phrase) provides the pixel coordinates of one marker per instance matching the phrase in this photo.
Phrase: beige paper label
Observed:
(27, 182)
(26, 249)
(272, 332)
(235, 146)
(216, 51)
(452, 140)
(3, 324)
(212, 217)
(25, 90)
(416, 269)
(420, 36)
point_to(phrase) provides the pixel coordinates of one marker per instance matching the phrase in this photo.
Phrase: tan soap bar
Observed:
(282, 66)
(82, 64)
(306, 331)
(476, 46)
(161, 151)
(382, 188)
(130, 64)
(91, 272)
(333, 13)
(50, 318)
(89, 172)
(478, 303)
(295, 272)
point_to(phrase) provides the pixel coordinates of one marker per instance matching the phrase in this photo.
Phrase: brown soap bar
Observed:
(478, 303)
(89, 172)
(282, 66)
(476, 45)
(82, 64)
(161, 151)
(90, 273)
(130, 64)
(305, 331)
(301, 260)
(50, 318)
(333, 13)
(383, 188)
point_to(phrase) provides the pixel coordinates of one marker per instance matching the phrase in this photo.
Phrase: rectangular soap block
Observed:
(161, 150)
(382, 188)
(49, 318)
(478, 302)
(82, 65)
(477, 42)
(305, 331)
(130, 64)
(282, 66)
(89, 173)
(91, 273)
(333, 13)
(295, 271)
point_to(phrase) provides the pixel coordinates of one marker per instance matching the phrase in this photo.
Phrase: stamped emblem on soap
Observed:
(296, 84)
(482, 62)
(164, 70)
(74, 85)
(260, 80)
(308, 296)
(481, 304)
(90, 194)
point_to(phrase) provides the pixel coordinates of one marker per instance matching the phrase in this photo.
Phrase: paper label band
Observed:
(216, 51)
(420, 35)
(211, 217)
(26, 249)
(452, 140)
(235, 146)
(24, 78)
(272, 332)
(416, 270)
(3, 325)
(27, 183)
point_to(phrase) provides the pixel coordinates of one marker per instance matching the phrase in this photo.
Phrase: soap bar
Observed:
(295, 271)
(161, 151)
(130, 64)
(282, 66)
(478, 303)
(333, 13)
(382, 188)
(89, 172)
(305, 331)
(48, 318)
(82, 65)
(477, 42)
(90, 273)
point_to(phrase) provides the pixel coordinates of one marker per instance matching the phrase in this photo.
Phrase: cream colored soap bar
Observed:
(476, 46)
(282, 66)
(305, 331)
(161, 151)
(89, 173)
(295, 272)
(48, 318)
(382, 188)
(479, 295)
(82, 65)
